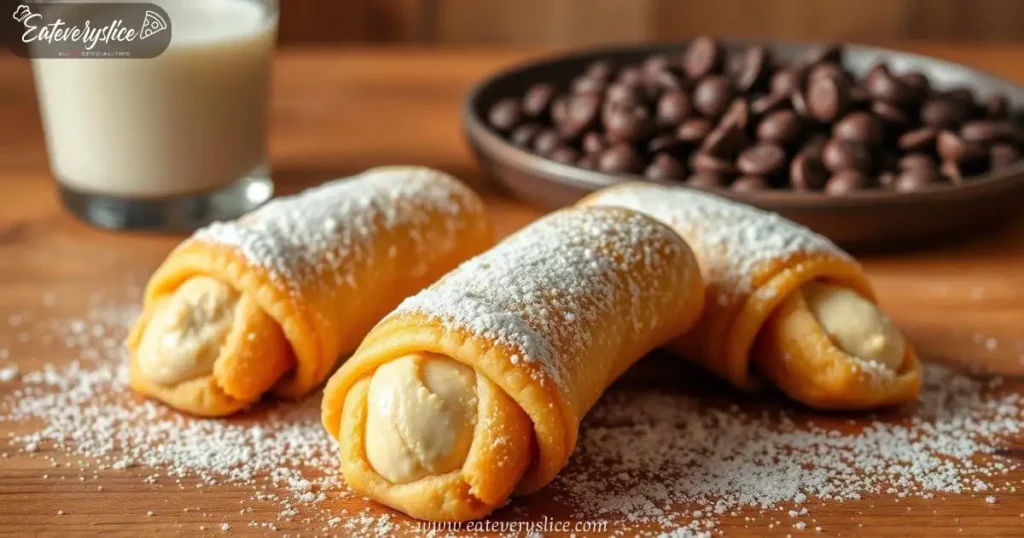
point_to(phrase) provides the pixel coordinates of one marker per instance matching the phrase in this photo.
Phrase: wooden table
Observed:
(336, 112)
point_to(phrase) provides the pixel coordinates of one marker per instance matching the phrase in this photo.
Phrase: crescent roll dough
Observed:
(273, 300)
(474, 388)
(783, 297)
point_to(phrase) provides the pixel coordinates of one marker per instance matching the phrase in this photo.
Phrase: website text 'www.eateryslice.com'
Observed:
(542, 526)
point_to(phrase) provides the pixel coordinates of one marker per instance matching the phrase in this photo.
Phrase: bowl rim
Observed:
(482, 135)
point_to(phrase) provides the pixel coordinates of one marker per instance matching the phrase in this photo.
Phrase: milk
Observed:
(190, 120)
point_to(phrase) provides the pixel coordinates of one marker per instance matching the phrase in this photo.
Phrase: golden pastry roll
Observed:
(783, 303)
(474, 388)
(272, 301)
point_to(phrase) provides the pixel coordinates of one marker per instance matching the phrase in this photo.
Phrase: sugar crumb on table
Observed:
(649, 460)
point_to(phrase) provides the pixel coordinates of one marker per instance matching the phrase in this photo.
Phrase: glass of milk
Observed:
(168, 143)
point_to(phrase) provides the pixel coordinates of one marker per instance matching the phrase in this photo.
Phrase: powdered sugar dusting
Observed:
(667, 450)
(297, 238)
(725, 457)
(541, 289)
(751, 237)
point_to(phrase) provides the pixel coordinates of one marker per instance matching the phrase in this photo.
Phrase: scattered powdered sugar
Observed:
(724, 457)
(667, 451)
(297, 238)
(751, 237)
(8, 373)
(542, 290)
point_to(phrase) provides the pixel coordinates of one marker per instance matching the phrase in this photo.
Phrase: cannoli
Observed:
(272, 301)
(474, 388)
(782, 302)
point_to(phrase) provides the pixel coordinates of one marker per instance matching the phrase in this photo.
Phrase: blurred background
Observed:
(586, 22)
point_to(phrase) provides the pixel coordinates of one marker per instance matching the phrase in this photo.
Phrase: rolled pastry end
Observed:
(207, 349)
(830, 347)
(430, 436)
(856, 325)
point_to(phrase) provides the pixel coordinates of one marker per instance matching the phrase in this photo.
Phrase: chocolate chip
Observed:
(754, 69)
(840, 155)
(703, 57)
(505, 114)
(524, 135)
(916, 160)
(749, 184)
(781, 127)
(673, 108)
(623, 123)
(694, 129)
(952, 171)
(785, 81)
(712, 95)
(654, 64)
(890, 113)
(953, 148)
(987, 132)
(705, 180)
(580, 114)
(559, 109)
(861, 127)
(761, 160)
(887, 180)
(829, 52)
(619, 159)
(807, 173)
(546, 141)
(997, 107)
(564, 154)
(827, 70)
(942, 113)
(537, 101)
(845, 182)
(664, 80)
(815, 147)
(768, 103)
(665, 166)
(964, 97)
(705, 162)
(883, 86)
(876, 69)
(738, 114)
(623, 94)
(600, 70)
(666, 142)
(586, 84)
(725, 140)
(827, 99)
(917, 85)
(630, 76)
(593, 142)
(922, 139)
(916, 178)
(1001, 155)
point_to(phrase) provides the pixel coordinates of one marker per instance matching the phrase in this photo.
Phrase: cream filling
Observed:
(183, 337)
(421, 415)
(855, 324)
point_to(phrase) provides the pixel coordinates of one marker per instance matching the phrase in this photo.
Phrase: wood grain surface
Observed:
(584, 22)
(338, 111)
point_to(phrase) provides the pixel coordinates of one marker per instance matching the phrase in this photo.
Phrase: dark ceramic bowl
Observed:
(869, 219)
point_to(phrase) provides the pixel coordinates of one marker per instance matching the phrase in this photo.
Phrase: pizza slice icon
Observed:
(152, 24)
